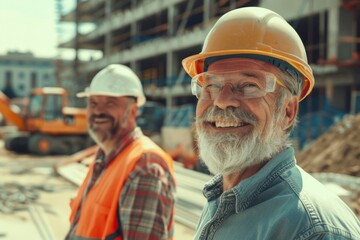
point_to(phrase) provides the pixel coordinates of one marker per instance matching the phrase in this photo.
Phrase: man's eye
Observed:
(212, 86)
(249, 85)
(252, 85)
(92, 104)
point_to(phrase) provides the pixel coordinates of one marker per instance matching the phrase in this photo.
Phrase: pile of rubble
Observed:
(338, 150)
(337, 153)
(17, 197)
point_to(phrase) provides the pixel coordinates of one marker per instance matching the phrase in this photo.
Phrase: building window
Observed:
(8, 90)
(33, 79)
(8, 76)
(21, 87)
(46, 77)
(21, 76)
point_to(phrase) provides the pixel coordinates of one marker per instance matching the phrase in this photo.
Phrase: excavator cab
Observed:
(48, 103)
(50, 126)
(45, 106)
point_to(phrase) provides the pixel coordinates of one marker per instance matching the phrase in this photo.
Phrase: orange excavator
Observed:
(50, 126)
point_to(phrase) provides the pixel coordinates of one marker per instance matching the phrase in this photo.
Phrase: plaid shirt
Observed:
(147, 199)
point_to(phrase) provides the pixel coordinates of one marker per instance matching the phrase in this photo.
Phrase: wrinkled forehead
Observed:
(106, 98)
(235, 64)
(100, 96)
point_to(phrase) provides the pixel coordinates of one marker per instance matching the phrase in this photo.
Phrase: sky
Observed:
(31, 25)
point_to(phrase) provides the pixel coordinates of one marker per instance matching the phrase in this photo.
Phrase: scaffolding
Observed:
(153, 36)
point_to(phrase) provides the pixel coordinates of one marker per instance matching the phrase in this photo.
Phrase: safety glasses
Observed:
(244, 84)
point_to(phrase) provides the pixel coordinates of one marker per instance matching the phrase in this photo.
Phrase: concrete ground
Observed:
(34, 201)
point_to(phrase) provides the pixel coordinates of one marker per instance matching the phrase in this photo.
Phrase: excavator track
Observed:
(42, 144)
(18, 144)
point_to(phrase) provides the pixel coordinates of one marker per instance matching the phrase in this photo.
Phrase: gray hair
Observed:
(293, 88)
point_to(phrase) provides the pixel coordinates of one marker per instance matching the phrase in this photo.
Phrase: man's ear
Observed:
(134, 110)
(291, 110)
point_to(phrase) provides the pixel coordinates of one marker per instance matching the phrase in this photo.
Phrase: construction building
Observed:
(153, 36)
(22, 71)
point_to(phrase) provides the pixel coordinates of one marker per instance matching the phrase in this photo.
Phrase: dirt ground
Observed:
(34, 200)
(30, 182)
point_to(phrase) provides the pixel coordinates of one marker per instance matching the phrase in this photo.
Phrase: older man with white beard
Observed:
(249, 78)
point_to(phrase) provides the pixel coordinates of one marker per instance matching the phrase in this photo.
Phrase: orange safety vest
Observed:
(98, 216)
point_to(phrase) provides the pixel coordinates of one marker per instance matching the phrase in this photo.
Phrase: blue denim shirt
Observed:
(281, 201)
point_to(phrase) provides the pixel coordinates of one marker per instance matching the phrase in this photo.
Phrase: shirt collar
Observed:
(248, 188)
(123, 142)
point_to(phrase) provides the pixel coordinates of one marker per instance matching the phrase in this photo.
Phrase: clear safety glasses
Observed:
(242, 83)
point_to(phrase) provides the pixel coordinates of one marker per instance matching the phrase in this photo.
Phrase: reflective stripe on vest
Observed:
(98, 216)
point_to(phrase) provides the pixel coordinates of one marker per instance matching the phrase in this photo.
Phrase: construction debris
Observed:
(33, 200)
(338, 150)
(17, 197)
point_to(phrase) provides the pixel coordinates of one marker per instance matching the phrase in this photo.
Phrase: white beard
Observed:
(228, 153)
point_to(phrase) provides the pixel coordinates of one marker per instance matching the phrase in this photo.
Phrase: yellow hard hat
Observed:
(257, 33)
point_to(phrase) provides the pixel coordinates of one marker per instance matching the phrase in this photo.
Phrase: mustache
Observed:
(228, 113)
(102, 115)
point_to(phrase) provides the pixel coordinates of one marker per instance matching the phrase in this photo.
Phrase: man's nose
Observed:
(227, 98)
(98, 109)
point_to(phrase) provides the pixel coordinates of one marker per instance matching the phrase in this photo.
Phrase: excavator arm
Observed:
(9, 114)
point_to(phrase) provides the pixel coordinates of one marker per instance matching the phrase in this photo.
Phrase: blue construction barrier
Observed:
(167, 81)
(151, 117)
(357, 104)
(181, 116)
(316, 122)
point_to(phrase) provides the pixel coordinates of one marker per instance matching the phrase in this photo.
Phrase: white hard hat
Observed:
(115, 80)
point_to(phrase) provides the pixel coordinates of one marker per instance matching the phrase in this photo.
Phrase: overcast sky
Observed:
(31, 25)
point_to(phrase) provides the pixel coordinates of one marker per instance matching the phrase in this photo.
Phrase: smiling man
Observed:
(129, 190)
(249, 78)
